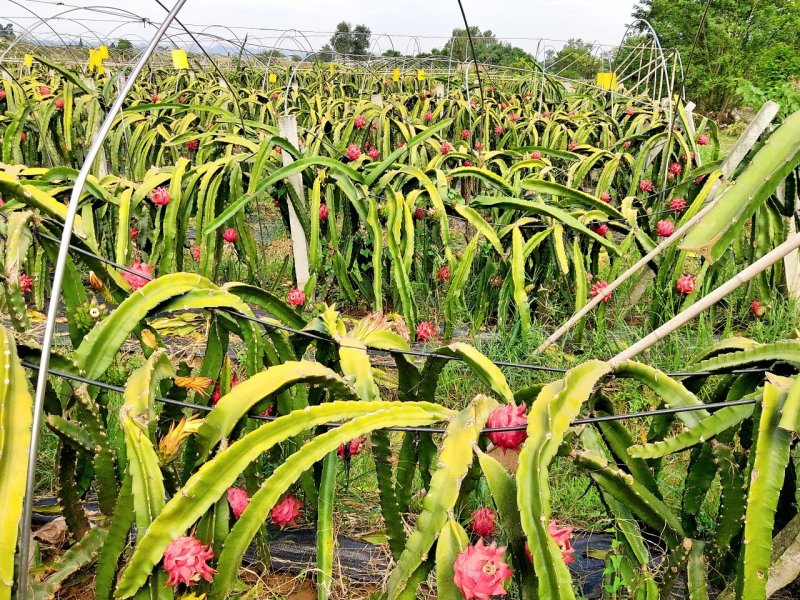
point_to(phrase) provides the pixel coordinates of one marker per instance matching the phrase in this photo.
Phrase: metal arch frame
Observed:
(58, 279)
(285, 35)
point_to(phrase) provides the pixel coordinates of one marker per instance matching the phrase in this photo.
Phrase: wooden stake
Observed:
(287, 127)
(746, 141)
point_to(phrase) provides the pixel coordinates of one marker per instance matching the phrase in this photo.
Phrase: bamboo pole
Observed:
(718, 294)
(729, 165)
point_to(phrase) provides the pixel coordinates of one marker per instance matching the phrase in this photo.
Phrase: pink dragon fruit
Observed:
(238, 500)
(185, 561)
(400, 143)
(360, 121)
(546, 114)
(482, 521)
(192, 145)
(44, 90)
(296, 298)
(675, 169)
(323, 212)
(138, 281)
(758, 309)
(646, 185)
(513, 117)
(275, 95)
(536, 155)
(465, 134)
(2, 94)
(352, 448)
(443, 274)
(508, 415)
(353, 152)
(572, 146)
(561, 536)
(134, 233)
(445, 148)
(23, 136)
(196, 252)
(428, 117)
(503, 106)
(665, 228)
(59, 103)
(426, 331)
(25, 283)
(467, 163)
(601, 229)
(677, 205)
(627, 144)
(154, 98)
(703, 140)
(686, 284)
(160, 196)
(287, 511)
(605, 196)
(478, 146)
(230, 235)
(181, 99)
(374, 153)
(630, 111)
(498, 130)
(598, 289)
(479, 571)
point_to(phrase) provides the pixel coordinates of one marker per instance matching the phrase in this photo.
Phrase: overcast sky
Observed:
(601, 21)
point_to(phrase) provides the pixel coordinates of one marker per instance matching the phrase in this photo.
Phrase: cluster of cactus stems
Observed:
(160, 473)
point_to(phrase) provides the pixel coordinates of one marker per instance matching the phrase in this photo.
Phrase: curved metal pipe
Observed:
(58, 279)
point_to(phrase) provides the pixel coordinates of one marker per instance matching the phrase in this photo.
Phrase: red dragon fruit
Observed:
(677, 205)
(561, 536)
(192, 145)
(44, 90)
(601, 229)
(323, 212)
(25, 283)
(703, 140)
(478, 146)
(23, 136)
(627, 144)
(513, 117)
(185, 561)
(646, 185)
(353, 152)
(296, 298)
(426, 331)
(428, 117)
(374, 153)
(360, 121)
(482, 521)
(238, 500)
(758, 309)
(445, 148)
(160, 196)
(508, 415)
(675, 169)
(605, 196)
(420, 213)
(230, 235)
(665, 228)
(196, 252)
(154, 98)
(599, 289)
(133, 232)
(498, 130)
(287, 511)
(630, 111)
(138, 281)
(536, 155)
(443, 274)
(686, 284)
(479, 571)
(465, 134)
(352, 448)
(572, 146)
(59, 103)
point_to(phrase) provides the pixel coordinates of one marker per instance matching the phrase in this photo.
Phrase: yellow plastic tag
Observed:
(331, 68)
(396, 75)
(607, 81)
(96, 62)
(273, 78)
(420, 74)
(103, 52)
(179, 59)
(29, 60)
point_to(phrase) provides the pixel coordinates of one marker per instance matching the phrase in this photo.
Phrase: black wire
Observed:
(474, 56)
(584, 421)
(696, 39)
(416, 353)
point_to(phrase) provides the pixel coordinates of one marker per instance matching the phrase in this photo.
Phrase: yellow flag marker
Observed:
(420, 74)
(396, 75)
(607, 81)
(273, 78)
(28, 60)
(332, 69)
(179, 59)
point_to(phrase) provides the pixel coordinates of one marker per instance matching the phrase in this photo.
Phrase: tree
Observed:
(753, 40)
(488, 49)
(393, 53)
(325, 54)
(575, 60)
(349, 40)
(124, 44)
(7, 31)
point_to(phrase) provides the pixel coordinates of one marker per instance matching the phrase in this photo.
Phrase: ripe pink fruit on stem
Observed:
(482, 521)
(561, 536)
(665, 228)
(627, 144)
(646, 185)
(572, 146)
(185, 561)
(352, 448)
(196, 253)
(238, 499)
(445, 148)
(286, 511)
(465, 134)
(513, 117)
(138, 281)
(426, 331)
(443, 274)
(23, 136)
(134, 233)
(44, 90)
(677, 205)
(360, 121)
(192, 144)
(686, 284)
(508, 415)
(605, 197)
(296, 298)
(374, 153)
(420, 213)
(479, 571)
(428, 117)
(703, 140)
(25, 283)
(598, 288)
(478, 146)
(353, 151)
(630, 111)
(601, 229)
(230, 235)
(154, 98)
(758, 309)
(323, 212)
(59, 103)
(675, 169)
(160, 196)
(498, 130)
(536, 155)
